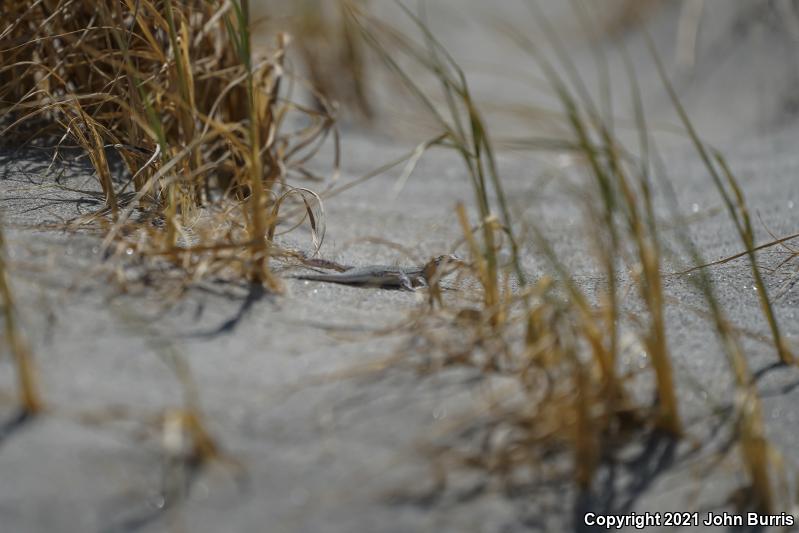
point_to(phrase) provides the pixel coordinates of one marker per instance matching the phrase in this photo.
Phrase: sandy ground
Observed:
(326, 446)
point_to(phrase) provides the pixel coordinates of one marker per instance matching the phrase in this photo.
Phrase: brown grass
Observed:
(205, 127)
(554, 344)
(29, 398)
(201, 121)
(332, 54)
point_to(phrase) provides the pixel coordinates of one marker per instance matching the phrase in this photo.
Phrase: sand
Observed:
(326, 444)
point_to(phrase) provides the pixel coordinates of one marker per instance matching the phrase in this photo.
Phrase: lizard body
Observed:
(384, 276)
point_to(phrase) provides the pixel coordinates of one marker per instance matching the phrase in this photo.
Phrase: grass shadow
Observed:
(14, 423)
(606, 497)
(255, 293)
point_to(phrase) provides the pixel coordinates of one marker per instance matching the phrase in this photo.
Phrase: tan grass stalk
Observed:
(30, 399)
(736, 207)
(753, 445)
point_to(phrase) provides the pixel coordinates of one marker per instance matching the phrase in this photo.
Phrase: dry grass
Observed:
(556, 346)
(204, 124)
(29, 399)
(205, 127)
(625, 15)
(332, 54)
(585, 404)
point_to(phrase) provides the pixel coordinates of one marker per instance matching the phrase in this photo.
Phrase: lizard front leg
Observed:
(406, 283)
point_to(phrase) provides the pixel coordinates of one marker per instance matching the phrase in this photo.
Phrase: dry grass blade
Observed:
(461, 122)
(736, 207)
(332, 53)
(745, 253)
(755, 449)
(626, 209)
(30, 401)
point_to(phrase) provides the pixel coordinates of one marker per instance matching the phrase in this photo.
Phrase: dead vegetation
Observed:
(203, 122)
(205, 127)
(556, 346)
(332, 54)
(30, 401)
(212, 141)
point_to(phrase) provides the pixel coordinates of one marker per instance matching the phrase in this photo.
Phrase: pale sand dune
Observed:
(324, 457)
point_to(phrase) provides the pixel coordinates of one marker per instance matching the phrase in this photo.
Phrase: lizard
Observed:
(383, 276)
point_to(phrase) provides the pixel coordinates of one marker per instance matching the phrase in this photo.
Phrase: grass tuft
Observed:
(200, 119)
(556, 344)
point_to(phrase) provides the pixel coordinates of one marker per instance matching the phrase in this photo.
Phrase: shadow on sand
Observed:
(14, 423)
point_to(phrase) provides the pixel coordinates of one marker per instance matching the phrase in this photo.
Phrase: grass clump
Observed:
(193, 137)
(528, 334)
(201, 120)
(556, 345)
(727, 185)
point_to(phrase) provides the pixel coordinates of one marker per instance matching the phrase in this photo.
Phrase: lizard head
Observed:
(433, 267)
(447, 259)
